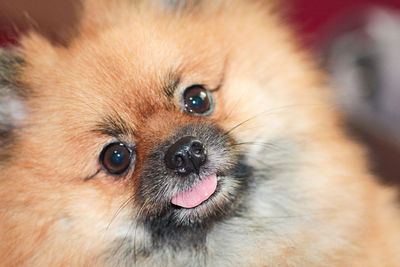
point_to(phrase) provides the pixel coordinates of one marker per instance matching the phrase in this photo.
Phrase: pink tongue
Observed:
(198, 194)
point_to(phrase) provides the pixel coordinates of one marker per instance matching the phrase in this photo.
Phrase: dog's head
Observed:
(154, 126)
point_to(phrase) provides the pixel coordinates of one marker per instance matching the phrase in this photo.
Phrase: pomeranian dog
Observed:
(181, 133)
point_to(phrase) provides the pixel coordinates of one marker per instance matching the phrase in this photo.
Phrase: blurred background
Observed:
(356, 41)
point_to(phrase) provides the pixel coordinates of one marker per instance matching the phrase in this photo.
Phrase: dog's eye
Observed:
(116, 158)
(197, 100)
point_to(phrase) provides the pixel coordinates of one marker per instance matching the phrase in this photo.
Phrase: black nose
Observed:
(186, 155)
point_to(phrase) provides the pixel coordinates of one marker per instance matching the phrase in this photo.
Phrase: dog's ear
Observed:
(12, 94)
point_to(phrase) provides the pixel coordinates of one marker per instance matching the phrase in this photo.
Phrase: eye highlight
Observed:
(197, 100)
(116, 158)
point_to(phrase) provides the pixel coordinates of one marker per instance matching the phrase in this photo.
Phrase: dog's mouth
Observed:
(199, 193)
(198, 201)
(191, 181)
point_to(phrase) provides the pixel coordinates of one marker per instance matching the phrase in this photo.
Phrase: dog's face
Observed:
(155, 129)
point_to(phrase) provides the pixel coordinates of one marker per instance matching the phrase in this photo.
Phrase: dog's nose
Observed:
(186, 155)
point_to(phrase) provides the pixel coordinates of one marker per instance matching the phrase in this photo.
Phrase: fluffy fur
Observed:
(295, 191)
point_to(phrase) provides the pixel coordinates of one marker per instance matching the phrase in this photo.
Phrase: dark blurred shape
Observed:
(384, 156)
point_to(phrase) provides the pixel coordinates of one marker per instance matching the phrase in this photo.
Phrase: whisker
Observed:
(234, 106)
(139, 214)
(267, 112)
(126, 202)
(263, 144)
(135, 227)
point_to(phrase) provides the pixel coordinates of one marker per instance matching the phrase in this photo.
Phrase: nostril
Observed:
(197, 148)
(179, 161)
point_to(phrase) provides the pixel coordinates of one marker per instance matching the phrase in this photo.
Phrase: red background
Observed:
(312, 17)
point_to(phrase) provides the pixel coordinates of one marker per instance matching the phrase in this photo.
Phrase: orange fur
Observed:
(337, 214)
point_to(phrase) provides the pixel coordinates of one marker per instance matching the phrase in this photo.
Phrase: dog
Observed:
(182, 133)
